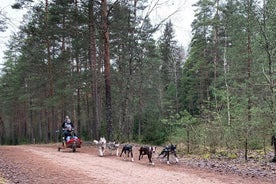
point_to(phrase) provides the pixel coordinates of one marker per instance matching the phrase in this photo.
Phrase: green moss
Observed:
(260, 152)
(232, 156)
(207, 156)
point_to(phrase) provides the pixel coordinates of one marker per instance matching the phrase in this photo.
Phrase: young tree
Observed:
(172, 59)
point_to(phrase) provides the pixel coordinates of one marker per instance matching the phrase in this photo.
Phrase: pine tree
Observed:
(172, 60)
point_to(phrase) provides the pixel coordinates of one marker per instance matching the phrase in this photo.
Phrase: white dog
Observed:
(101, 145)
(110, 145)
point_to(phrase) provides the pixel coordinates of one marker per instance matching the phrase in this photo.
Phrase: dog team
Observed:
(127, 150)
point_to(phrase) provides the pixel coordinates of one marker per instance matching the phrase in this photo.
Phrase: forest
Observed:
(98, 62)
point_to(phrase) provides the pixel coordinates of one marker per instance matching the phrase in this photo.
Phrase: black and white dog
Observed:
(147, 150)
(113, 146)
(127, 149)
(167, 150)
(102, 145)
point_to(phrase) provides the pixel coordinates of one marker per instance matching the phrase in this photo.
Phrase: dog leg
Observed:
(150, 157)
(132, 159)
(101, 152)
(176, 159)
(117, 152)
(125, 154)
(168, 158)
(122, 152)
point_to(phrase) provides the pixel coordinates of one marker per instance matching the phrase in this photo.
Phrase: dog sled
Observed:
(70, 141)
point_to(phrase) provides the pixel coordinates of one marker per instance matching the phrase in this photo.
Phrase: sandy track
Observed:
(44, 164)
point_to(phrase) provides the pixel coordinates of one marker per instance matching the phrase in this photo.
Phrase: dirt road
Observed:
(31, 164)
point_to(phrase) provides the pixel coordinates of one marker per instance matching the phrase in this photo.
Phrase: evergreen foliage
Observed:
(221, 95)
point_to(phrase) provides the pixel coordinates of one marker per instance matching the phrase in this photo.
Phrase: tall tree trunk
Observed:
(94, 70)
(188, 139)
(2, 131)
(49, 62)
(176, 85)
(50, 72)
(225, 69)
(78, 70)
(249, 65)
(216, 49)
(107, 71)
(127, 122)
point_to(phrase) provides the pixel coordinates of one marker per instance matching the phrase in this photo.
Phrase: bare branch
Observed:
(267, 78)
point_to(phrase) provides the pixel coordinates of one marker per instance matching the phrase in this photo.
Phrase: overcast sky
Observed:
(182, 19)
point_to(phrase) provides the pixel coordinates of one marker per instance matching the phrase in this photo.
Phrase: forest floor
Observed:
(44, 164)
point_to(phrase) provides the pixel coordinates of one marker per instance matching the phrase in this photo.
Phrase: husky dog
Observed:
(101, 145)
(166, 152)
(111, 146)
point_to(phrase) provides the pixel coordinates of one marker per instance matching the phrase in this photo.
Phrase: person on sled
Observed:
(67, 127)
